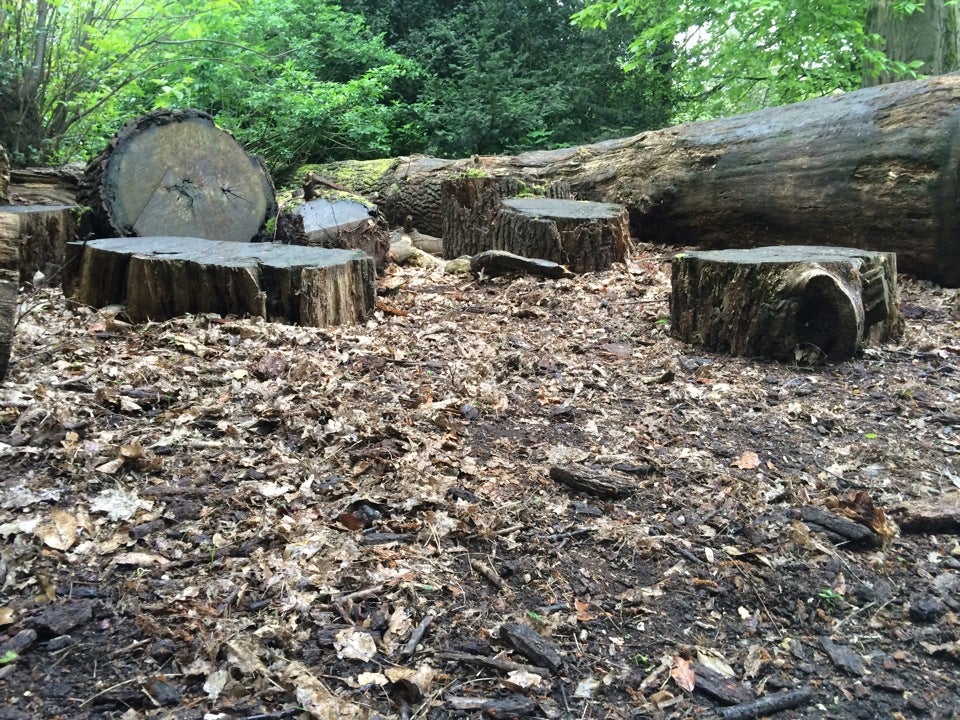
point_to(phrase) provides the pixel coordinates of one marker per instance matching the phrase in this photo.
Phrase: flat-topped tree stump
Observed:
(162, 277)
(584, 236)
(339, 222)
(470, 205)
(40, 233)
(789, 303)
(175, 173)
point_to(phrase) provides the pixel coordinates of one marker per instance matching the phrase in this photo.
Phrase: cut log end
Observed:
(788, 303)
(174, 172)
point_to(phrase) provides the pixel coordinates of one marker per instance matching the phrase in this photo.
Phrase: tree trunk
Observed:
(9, 286)
(930, 35)
(161, 277)
(40, 233)
(878, 169)
(4, 176)
(788, 303)
(468, 208)
(175, 173)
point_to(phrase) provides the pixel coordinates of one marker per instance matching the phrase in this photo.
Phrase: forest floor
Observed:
(217, 518)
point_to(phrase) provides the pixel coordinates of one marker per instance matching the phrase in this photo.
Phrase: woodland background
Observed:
(301, 81)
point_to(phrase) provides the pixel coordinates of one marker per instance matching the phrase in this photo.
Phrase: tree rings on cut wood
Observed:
(584, 236)
(161, 277)
(174, 172)
(789, 303)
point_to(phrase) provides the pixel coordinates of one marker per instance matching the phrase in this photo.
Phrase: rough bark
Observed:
(794, 303)
(584, 236)
(468, 209)
(45, 186)
(931, 35)
(874, 169)
(4, 176)
(9, 285)
(175, 173)
(345, 223)
(161, 277)
(40, 233)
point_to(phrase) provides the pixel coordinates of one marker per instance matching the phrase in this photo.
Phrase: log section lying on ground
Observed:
(174, 172)
(45, 185)
(40, 233)
(161, 277)
(344, 223)
(877, 169)
(584, 236)
(788, 303)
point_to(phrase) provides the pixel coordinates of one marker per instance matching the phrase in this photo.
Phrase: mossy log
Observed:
(40, 233)
(877, 169)
(162, 277)
(584, 236)
(174, 172)
(344, 223)
(787, 303)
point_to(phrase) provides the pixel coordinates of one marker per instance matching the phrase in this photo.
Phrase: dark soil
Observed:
(215, 518)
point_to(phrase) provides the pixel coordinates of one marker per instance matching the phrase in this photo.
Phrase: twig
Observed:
(417, 636)
(767, 705)
(487, 572)
(495, 663)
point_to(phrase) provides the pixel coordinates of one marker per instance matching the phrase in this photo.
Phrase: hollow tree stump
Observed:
(161, 277)
(175, 173)
(789, 303)
(40, 233)
(584, 236)
(345, 223)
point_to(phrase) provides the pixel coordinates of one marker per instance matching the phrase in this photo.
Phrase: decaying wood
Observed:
(535, 648)
(940, 515)
(592, 482)
(344, 223)
(789, 303)
(404, 252)
(876, 169)
(837, 527)
(46, 185)
(724, 689)
(469, 207)
(583, 236)
(506, 708)
(41, 233)
(162, 277)
(175, 173)
(495, 663)
(767, 705)
(500, 262)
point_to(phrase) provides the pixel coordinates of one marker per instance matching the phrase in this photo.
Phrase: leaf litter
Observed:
(223, 518)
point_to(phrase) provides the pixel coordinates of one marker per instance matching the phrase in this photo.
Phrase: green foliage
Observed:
(740, 55)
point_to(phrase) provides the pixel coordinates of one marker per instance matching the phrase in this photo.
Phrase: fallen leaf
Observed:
(582, 607)
(59, 531)
(747, 461)
(682, 674)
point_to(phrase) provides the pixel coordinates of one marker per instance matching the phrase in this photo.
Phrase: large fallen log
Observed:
(877, 169)
(175, 173)
(161, 277)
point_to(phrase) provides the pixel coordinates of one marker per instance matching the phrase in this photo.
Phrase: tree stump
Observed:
(787, 303)
(584, 236)
(175, 173)
(40, 233)
(162, 277)
(471, 203)
(345, 223)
